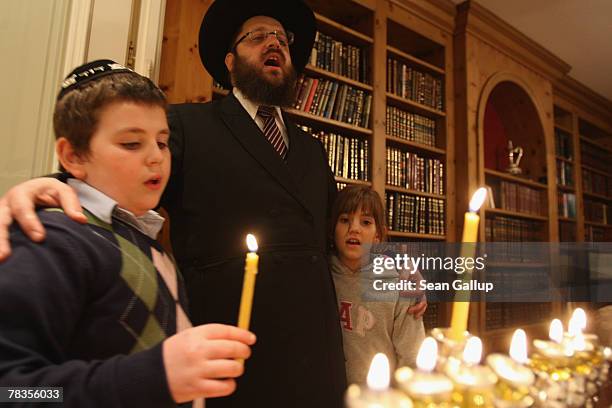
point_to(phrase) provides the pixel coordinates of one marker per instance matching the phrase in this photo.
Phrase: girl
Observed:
(372, 321)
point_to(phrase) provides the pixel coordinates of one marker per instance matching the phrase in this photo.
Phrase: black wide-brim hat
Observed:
(224, 17)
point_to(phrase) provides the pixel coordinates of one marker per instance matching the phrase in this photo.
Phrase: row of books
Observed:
(567, 232)
(508, 229)
(421, 215)
(520, 198)
(567, 205)
(563, 144)
(565, 173)
(517, 282)
(595, 211)
(596, 183)
(333, 100)
(340, 58)
(594, 157)
(409, 170)
(595, 234)
(407, 82)
(348, 157)
(506, 315)
(410, 126)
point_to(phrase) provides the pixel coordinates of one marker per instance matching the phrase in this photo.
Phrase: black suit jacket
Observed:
(228, 181)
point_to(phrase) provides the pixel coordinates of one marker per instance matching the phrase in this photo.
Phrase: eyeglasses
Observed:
(259, 36)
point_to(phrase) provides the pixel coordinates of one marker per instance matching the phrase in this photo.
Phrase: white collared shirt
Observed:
(105, 208)
(252, 108)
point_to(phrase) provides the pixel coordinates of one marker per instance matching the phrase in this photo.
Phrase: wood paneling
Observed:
(182, 75)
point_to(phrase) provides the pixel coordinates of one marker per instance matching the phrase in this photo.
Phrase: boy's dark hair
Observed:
(351, 198)
(77, 111)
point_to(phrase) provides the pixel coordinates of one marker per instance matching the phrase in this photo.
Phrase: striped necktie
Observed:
(271, 130)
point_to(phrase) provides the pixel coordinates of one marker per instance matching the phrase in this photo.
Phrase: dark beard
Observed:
(259, 90)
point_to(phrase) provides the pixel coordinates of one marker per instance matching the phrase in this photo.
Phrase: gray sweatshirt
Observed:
(374, 321)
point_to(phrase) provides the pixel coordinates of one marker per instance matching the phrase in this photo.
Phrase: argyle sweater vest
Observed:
(87, 310)
(140, 271)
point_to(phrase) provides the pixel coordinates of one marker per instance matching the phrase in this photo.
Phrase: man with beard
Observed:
(240, 166)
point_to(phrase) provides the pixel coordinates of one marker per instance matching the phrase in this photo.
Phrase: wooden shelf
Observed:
(413, 192)
(566, 188)
(415, 145)
(516, 179)
(597, 224)
(325, 121)
(594, 170)
(563, 128)
(415, 60)
(597, 196)
(410, 104)
(415, 235)
(595, 143)
(499, 211)
(335, 26)
(336, 77)
(566, 219)
(564, 159)
(352, 181)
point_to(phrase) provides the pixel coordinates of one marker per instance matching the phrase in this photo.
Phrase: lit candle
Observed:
(514, 377)
(377, 394)
(473, 382)
(577, 321)
(588, 363)
(555, 332)
(248, 283)
(557, 349)
(461, 306)
(426, 388)
(550, 363)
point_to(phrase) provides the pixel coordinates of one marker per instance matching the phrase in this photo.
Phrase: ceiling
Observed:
(577, 31)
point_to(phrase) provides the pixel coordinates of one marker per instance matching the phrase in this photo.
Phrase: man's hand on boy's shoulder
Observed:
(418, 309)
(19, 204)
(201, 361)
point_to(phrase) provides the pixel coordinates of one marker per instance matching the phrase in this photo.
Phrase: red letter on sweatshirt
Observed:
(345, 315)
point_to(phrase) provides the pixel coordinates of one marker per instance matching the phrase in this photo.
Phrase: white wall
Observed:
(32, 36)
(110, 27)
(40, 42)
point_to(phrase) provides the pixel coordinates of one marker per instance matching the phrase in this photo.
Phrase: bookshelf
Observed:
(596, 175)
(410, 126)
(586, 116)
(503, 83)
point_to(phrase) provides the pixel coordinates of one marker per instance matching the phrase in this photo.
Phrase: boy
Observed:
(95, 308)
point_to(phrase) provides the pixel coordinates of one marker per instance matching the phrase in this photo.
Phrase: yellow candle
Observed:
(461, 308)
(248, 284)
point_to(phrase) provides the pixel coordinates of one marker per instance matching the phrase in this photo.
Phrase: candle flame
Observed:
(518, 346)
(555, 333)
(379, 374)
(477, 199)
(251, 243)
(428, 354)
(577, 323)
(578, 342)
(473, 350)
